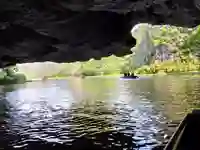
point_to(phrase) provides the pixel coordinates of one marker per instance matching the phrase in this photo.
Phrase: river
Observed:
(95, 113)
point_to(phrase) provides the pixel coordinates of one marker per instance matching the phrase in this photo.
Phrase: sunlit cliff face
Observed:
(144, 49)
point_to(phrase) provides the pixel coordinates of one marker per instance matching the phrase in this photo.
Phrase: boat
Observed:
(129, 76)
(187, 135)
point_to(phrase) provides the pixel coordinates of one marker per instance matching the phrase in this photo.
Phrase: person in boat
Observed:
(133, 75)
(126, 74)
(130, 75)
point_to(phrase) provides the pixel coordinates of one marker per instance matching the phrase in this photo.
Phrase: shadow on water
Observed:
(4, 116)
(95, 113)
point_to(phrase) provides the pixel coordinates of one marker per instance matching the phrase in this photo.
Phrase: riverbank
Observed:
(141, 74)
(111, 66)
(161, 68)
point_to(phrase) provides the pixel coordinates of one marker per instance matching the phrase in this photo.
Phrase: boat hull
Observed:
(187, 134)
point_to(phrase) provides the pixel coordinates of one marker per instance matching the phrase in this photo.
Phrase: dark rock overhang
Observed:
(77, 30)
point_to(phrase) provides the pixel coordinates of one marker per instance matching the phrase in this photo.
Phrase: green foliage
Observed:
(172, 36)
(9, 76)
(182, 41)
(144, 70)
(192, 43)
(170, 67)
(106, 66)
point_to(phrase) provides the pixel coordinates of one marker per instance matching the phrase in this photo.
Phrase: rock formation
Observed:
(67, 31)
(144, 50)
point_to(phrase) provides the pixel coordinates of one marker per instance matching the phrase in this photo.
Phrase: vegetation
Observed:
(172, 36)
(184, 43)
(9, 76)
(105, 66)
(170, 67)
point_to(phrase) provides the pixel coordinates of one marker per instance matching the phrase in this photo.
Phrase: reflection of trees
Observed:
(137, 95)
(177, 95)
(91, 110)
(86, 124)
(3, 124)
(4, 106)
(92, 117)
(4, 116)
(92, 89)
(172, 95)
(160, 99)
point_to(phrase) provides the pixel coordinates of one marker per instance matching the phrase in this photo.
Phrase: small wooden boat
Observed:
(187, 135)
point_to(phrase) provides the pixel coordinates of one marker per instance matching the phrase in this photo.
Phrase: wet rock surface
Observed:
(67, 31)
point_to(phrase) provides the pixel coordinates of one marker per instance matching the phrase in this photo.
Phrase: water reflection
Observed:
(95, 113)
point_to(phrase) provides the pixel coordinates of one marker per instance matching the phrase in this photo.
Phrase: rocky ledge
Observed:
(77, 30)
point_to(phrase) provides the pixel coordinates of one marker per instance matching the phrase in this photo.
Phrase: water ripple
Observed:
(116, 114)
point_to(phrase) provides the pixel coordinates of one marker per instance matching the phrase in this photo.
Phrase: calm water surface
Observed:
(95, 113)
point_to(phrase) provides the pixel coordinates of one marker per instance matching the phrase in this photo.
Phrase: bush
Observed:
(9, 76)
(192, 43)
(89, 72)
(170, 67)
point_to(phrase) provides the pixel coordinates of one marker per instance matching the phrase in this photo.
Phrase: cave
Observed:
(76, 30)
